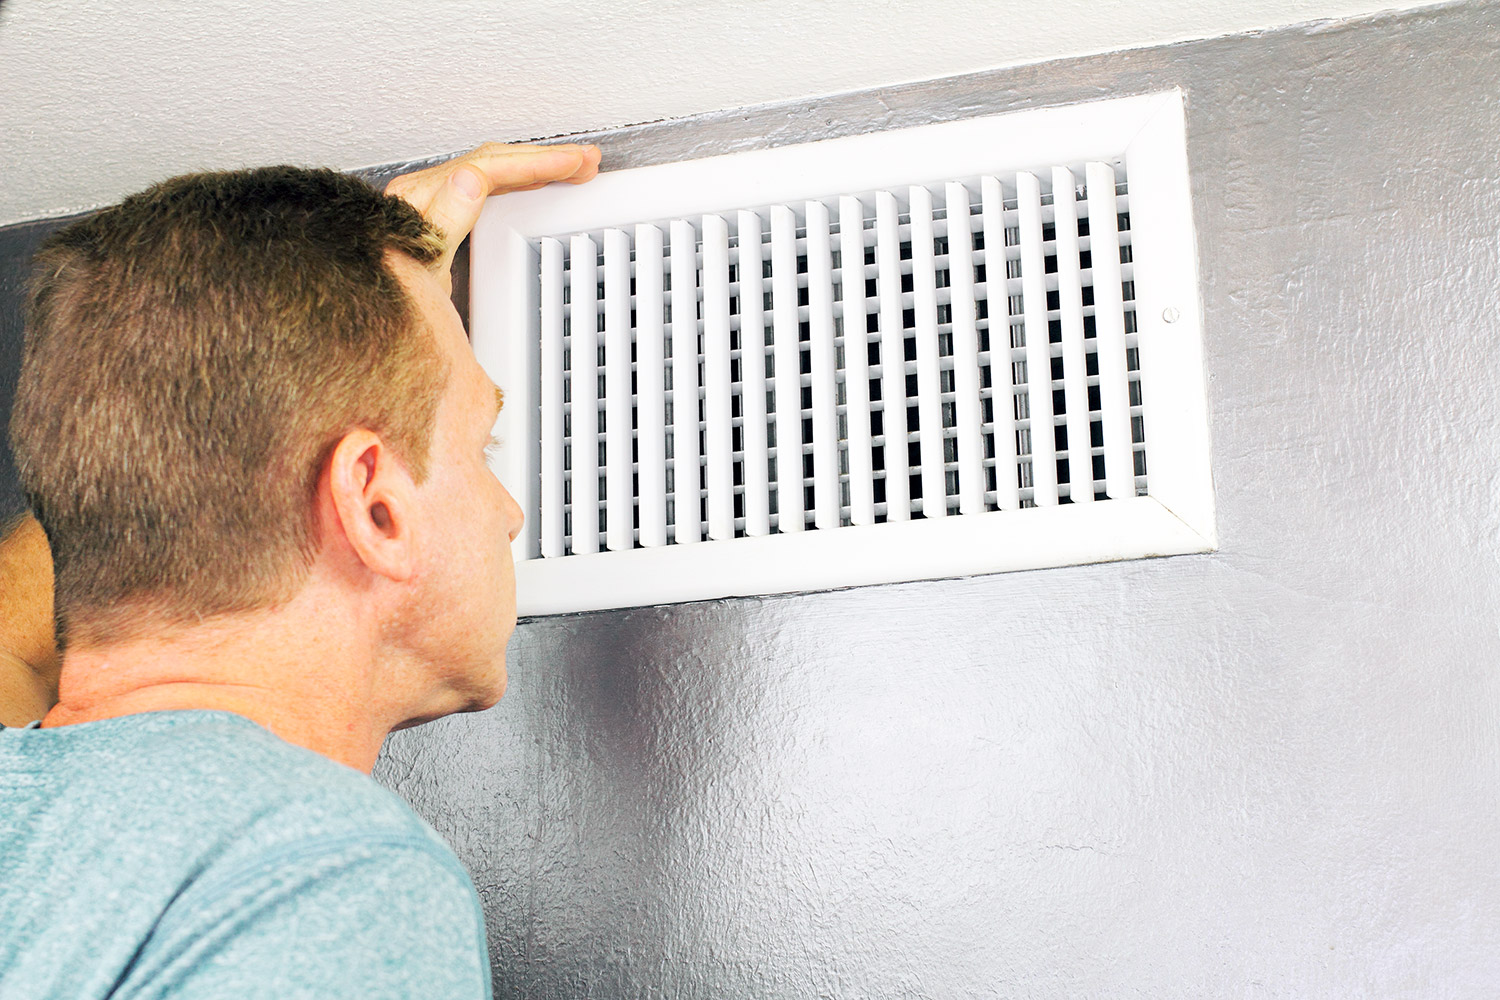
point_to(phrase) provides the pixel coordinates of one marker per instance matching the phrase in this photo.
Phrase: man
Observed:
(250, 424)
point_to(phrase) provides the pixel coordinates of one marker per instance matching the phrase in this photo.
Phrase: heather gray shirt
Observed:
(194, 854)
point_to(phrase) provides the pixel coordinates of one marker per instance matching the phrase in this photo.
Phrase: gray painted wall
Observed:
(1271, 771)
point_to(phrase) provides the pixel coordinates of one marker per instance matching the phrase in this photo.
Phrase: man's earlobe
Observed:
(372, 495)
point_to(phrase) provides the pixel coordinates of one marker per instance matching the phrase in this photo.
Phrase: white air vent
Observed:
(955, 349)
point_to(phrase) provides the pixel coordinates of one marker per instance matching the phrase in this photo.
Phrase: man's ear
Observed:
(373, 500)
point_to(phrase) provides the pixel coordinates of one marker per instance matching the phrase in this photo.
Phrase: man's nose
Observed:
(514, 516)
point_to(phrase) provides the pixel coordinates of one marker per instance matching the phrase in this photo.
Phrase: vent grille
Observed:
(961, 348)
(840, 361)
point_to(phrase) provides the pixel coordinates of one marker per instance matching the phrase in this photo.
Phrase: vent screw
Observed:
(1170, 315)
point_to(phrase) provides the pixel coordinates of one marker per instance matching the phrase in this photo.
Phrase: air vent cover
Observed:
(962, 348)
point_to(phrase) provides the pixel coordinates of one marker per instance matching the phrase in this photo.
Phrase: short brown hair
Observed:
(192, 356)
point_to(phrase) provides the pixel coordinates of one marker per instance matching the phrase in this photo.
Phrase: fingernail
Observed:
(464, 181)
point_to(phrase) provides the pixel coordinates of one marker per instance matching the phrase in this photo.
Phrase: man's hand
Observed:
(28, 656)
(450, 195)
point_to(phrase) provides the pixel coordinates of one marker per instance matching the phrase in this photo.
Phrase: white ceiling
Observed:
(102, 97)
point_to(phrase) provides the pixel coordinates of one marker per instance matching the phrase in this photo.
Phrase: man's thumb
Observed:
(466, 183)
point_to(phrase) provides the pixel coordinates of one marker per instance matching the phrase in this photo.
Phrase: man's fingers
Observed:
(451, 195)
(510, 168)
(499, 169)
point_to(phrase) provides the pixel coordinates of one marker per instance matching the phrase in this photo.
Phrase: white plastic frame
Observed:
(1176, 517)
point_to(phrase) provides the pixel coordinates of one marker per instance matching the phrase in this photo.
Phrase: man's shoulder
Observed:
(136, 843)
(216, 768)
(228, 756)
(190, 791)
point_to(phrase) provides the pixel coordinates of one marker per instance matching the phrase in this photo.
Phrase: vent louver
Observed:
(911, 379)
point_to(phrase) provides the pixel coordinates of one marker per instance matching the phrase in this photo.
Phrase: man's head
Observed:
(193, 357)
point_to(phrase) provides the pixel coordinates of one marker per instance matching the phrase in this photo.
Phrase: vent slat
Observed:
(719, 440)
(1038, 344)
(965, 350)
(619, 493)
(1002, 369)
(1075, 363)
(929, 402)
(892, 357)
(1109, 322)
(787, 383)
(822, 363)
(853, 312)
(687, 521)
(650, 389)
(651, 416)
(584, 385)
(756, 469)
(552, 471)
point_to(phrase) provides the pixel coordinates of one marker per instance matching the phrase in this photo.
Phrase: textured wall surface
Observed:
(102, 97)
(1273, 771)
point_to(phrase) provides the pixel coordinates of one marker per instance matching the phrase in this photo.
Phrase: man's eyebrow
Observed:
(499, 400)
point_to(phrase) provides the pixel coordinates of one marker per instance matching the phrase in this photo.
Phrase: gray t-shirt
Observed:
(194, 854)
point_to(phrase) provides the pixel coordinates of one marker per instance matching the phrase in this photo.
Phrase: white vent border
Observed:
(1177, 516)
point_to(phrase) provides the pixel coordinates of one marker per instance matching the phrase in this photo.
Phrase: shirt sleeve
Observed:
(352, 917)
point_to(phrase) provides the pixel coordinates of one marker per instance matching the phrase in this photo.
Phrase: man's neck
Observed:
(306, 673)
